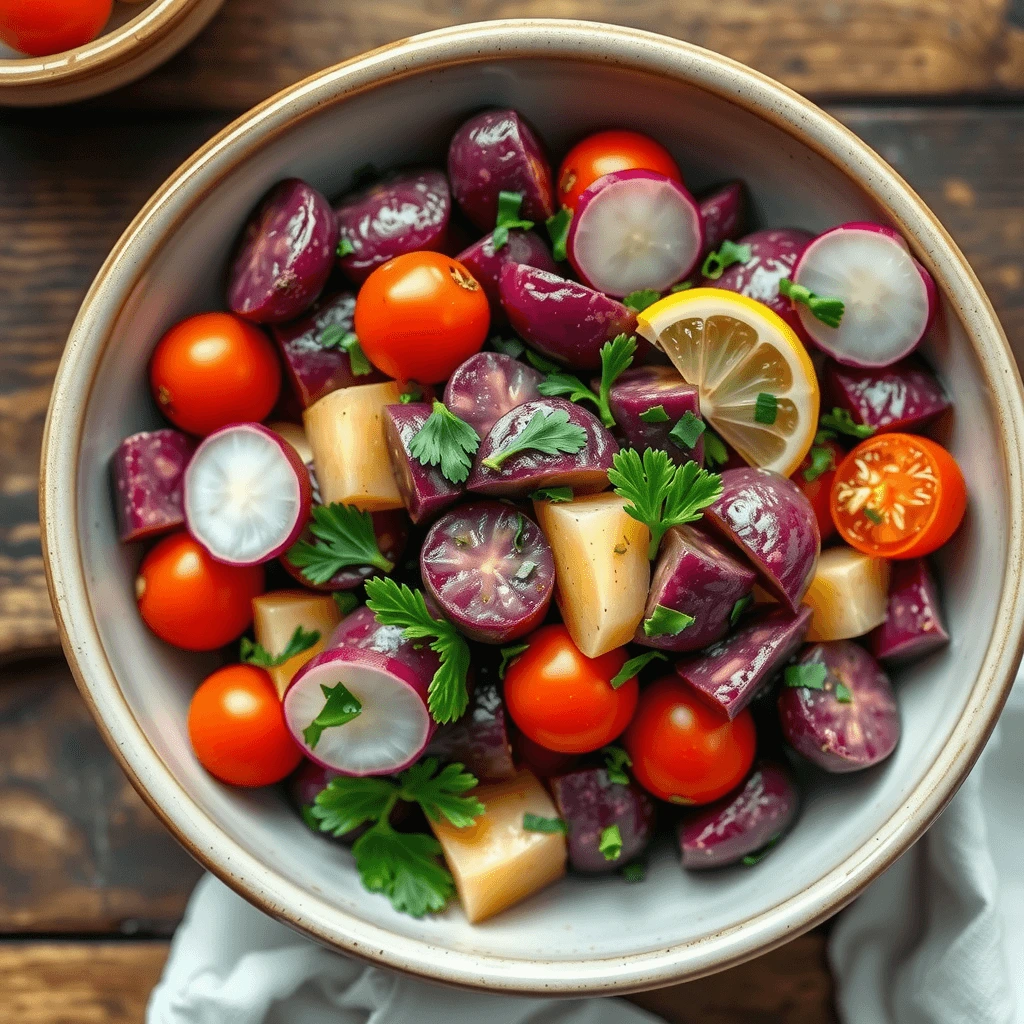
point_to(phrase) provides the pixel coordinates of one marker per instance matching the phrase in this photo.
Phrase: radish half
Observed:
(246, 495)
(388, 678)
(889, 298)
(635, 230)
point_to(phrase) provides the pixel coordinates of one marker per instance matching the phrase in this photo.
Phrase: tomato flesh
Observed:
(40, 28)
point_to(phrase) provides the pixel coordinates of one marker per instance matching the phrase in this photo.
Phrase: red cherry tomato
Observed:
(40, 28)
(213, 370)
(190, 600)
(564, 700)
(605, 153)
(818, 488)
(684, 751)
(237, 728)
(420, 315)
(898, 496)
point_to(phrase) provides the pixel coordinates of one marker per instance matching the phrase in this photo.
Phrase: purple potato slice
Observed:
(746, 821)
(488, 385)
(589, 802)
(848, 734)
(697, 575)
(490, 569)
(480, 738)
(913, 625)
(480, 259)
(149, 472)
(722, 214)
(585, 471)
(731, 672)
(285, 255)
(771, 521)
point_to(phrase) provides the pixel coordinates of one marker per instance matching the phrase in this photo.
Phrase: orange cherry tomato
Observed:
(898, 496)
(683, 750)
(190, 600)
(564, 700)
(212, 370)
(606, 152)
(420, 315)
(237, 728)
(819, 489)
(40, 28)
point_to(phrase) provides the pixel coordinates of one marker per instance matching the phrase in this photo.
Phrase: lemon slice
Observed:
(733, 349)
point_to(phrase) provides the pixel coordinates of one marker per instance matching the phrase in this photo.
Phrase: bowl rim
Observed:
(577, 41)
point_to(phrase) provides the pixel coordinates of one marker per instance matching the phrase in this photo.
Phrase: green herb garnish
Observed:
(345, 600)
(810, 675)
(558, 231)
(687, 431)
(641, 299)
(536, 823)
(766, 408)
(553, 494)
(508, 346)
(345, 247)
(508, 657)
(666, 622)
(715, 263)
(610, 843)
(839, 421)
(843, 694)
(412, 393)
(635, 872)
(828, 310)
(616, 358)
(547, 432)
(508, 218)
(682, 286)
(340, 708)
(336, 336)
(739, 608)
(822, 460)
(875, 517)
(254, 654)
(715, 452)
(634, 665)
(616, 761)
(344, 536)
(655, 414)
(755, 858)
(445, 441)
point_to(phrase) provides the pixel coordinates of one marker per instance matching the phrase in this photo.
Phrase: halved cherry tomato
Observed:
(420, 315)
(40, 28)
(190, 600)
(213, 370)
(898, 496)
(237, 728)
(684, 751)
(605, 152)
(564, 700)
(819, 488)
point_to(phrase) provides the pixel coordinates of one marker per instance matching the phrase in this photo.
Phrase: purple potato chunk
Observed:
(771, 521)
(585, 471)
(480, 738)
(148, 470)
(406, 212)
(496, 151)
(848, 734)
(488, 385)
(913, 624)
(639, 391)
(743, 823)
(285, 255)
(563, 319)
(730, 673)
(589, 802)
(490, 569)
(695, 574)
(722, 214)
(905, 396)
(315, 371)
(480, 259)
(424, 489)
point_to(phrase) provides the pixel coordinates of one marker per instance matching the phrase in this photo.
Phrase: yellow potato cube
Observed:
(849, 594)
(275, 618)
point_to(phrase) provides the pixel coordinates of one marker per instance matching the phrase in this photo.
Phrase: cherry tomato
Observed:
(238, 730)
(684, 751)
(40, 28)
(819, 489)
(420, 315)
(898, 496)
(606, 152)
(190, 600)
(564, 700)
(212, 370)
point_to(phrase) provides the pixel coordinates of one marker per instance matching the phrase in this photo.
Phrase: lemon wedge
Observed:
(757, 386)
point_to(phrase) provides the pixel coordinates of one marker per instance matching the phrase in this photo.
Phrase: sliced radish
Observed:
(635, 230)
(888, 298)
(247, 494)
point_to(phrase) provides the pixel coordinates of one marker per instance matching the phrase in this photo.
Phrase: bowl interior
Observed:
(410, 119)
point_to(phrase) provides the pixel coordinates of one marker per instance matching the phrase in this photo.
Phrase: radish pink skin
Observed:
(406, 212)
(563, 319)
(488, 385)
(285, 254)
(913, 626)
(842, 737)
(721, 213)
(614, 179)
(497, 151)
(480, 259)
(742, 823)
(301, 475)
(480, 739)
(149, 470)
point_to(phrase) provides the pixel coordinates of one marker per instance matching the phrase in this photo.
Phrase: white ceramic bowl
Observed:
(399, 104)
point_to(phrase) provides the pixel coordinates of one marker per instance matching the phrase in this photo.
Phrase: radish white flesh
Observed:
(635, 230)
(889, 297)
(247, 494)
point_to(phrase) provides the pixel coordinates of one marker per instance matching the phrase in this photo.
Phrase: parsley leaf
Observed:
(255, 654)
(560, 384)
(539, 362)
(634, 665)
(759, 855)
(344, 537)
(616, 761)
(715, 263)
(656, 414)
(345, 247)
(766, 408)
(635, 872)
(412, 393)
(535, 823)
(828, 310)
(715, 452)
(610, 843)
(822, 460)
(341, 707)
(547, 432)
(810, 675)
(508, 657)
(616, 358)
(558, 231)
(405, 867)
(508, 218)
(666, 622)
(397, 605)
(682, 286)
(508, 346)
(347, 802)
(640, 300)
(839, 421)
(739, 608)
(686, 433)
(441, 794)
(844, 695)
(335, 336)
(345, 600)
(552, 494)
(447, 441)
(661, 494)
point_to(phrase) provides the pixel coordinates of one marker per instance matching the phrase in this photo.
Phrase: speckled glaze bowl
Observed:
(400, 105)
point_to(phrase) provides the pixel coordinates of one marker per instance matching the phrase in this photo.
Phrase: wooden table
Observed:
(90, 885)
